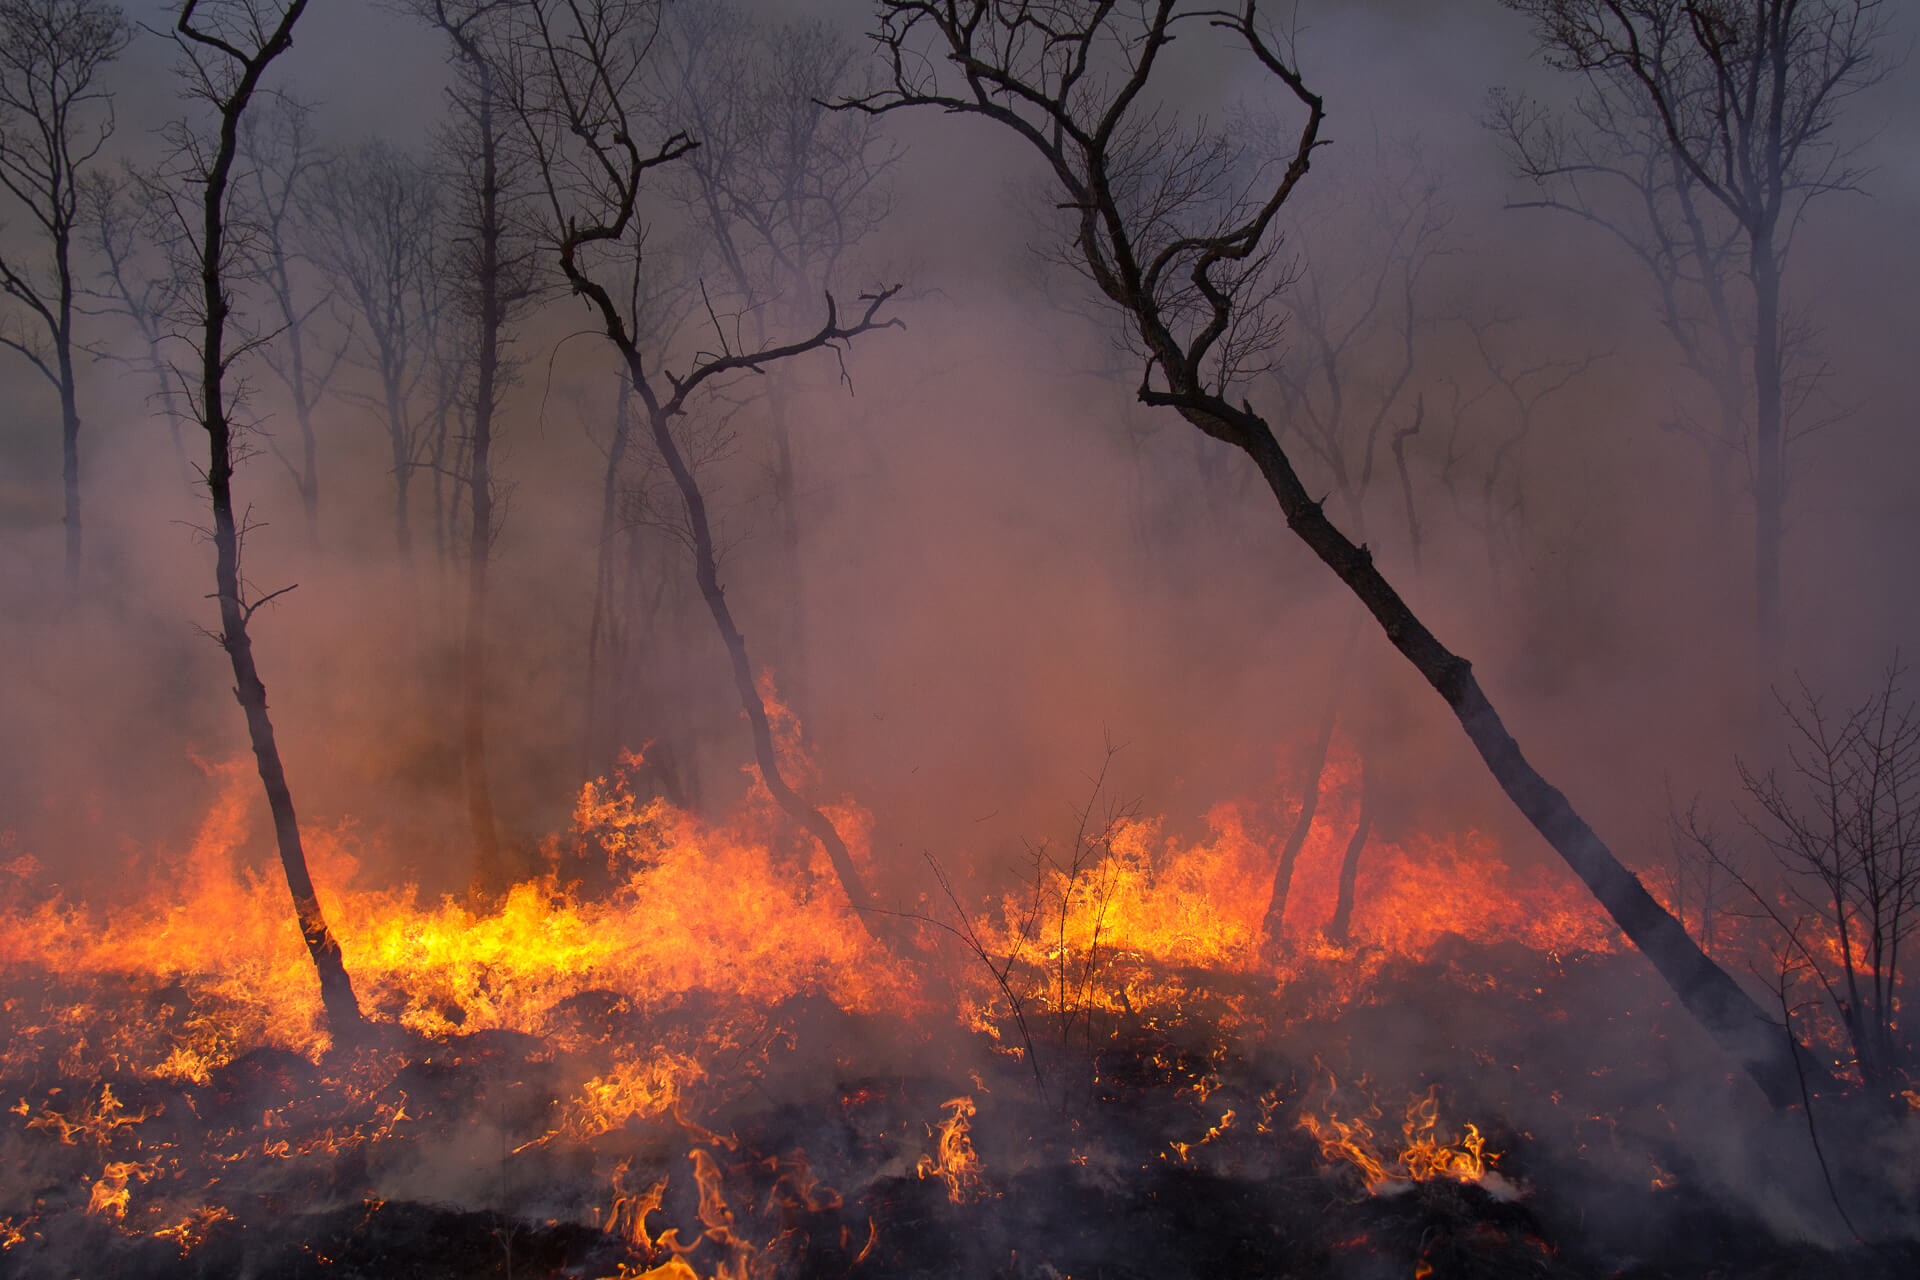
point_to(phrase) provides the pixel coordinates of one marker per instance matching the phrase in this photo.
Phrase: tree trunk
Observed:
(486, 842)
(603, 629)
(69, 401)
(1769, 488)
(1340, 926)
(336, 990)
(707, 573)
(1760, 1044)
(785, 501)
(70, 458)
(1272, 926)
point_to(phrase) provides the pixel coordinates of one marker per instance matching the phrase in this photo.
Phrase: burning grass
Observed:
(706, 1067)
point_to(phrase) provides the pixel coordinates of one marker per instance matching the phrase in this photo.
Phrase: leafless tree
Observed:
(575, 70)
(1842, 825)
(54, 119)
(785, 189)
(374, 224)
(279, 182)
(140, 274)
(1488, 425)
(490, 273)
(1353, 309)
(227, 47)
(1715, 124)
(1076, 80)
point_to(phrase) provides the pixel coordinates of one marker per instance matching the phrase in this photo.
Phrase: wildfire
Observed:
(1423, 1153)
(654, 996)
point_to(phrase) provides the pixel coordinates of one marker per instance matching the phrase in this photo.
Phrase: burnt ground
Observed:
(435, 1159)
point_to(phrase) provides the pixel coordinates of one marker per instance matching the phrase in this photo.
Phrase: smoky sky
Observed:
(1008, 562)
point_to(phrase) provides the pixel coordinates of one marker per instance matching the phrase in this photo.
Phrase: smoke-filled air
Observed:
(883, 639)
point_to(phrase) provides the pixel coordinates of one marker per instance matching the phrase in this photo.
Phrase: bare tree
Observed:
(490, 273)
(1843, 828)
(1718, 123)
(279, 181)
(1353, 309)
(53, 122)
(785, 189)
(1076, 80)
(140, 276)
(227, 46)
(374, 225)
(577, 71)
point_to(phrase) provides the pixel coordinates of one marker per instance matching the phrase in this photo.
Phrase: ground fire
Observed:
(709, 1068)
(563, 564)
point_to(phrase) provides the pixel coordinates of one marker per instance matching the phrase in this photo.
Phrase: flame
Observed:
(111, 1195)
(954, 1161)
(651, 996)
(1425, 1153)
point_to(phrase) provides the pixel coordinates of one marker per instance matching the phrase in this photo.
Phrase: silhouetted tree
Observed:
(1352, 311)
(1842, 825)
(53, 122)
(1717, 121)
(1176, 241)
(784, 189)
(227, 48)
(490, 272)
(375, 228)
(578, 71)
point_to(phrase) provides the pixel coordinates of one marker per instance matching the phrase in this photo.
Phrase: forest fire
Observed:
(1522, 863)
(563, 1054)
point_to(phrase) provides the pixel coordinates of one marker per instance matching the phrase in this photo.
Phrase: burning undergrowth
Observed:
(678, 1054)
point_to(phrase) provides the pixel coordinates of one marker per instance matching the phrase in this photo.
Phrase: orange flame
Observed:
(1424, 1153)
(954, 1162)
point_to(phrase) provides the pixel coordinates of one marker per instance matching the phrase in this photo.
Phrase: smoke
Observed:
(1007, 565)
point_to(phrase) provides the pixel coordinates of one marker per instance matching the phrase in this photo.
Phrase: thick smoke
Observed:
(1007, 563)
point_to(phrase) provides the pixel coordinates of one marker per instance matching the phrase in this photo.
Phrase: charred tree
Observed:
(53, 122)
(578, 69)
(1340, 926)
(1073, 81)
(1724, 106)
(228, 49)
(1313, 767)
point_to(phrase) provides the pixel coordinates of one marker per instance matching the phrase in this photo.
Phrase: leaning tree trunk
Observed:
(1707, 991)
(336, 990)
(706, 570)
